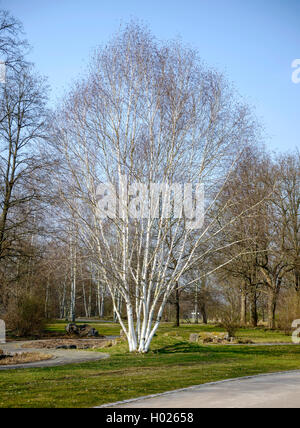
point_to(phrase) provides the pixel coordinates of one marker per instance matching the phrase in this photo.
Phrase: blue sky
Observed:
(253, 41)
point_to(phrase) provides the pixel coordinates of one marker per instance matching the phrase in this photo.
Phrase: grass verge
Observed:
(172, 363)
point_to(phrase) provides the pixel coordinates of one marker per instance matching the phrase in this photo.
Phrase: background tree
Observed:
(22, 125)
(13, 47)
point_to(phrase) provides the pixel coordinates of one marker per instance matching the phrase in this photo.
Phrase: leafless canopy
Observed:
(153, 113)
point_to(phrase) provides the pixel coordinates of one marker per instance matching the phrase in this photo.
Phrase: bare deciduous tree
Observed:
(22, 124)
(152, 113)
(12, 45)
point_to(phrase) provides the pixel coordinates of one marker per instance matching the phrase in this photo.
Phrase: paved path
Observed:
(279, 390)
(60, 357)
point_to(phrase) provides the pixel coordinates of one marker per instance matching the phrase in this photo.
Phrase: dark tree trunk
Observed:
(243, 306)
(177, 305)
(274, 290)
(204, 313)
(297, 281)
(196, 319)
(253, 310)
(272, 305)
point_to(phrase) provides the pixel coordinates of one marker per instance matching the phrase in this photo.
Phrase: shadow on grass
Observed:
(181, 347)
(226, 350)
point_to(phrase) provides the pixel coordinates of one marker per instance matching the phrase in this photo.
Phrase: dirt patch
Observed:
(68, 344)
(23, 358)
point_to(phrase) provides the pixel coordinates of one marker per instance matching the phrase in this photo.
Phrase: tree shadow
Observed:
(225, 350)
(181, 347)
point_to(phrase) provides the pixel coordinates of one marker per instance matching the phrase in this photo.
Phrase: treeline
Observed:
(151, 112)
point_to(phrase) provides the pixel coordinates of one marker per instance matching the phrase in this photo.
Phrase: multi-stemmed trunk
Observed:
(142, 325)
(273, 281)
(139, 124)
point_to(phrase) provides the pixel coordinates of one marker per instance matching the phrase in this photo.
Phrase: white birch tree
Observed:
(147, 112)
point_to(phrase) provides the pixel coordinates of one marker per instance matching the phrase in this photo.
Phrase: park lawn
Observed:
(257, 335)
(171, 364)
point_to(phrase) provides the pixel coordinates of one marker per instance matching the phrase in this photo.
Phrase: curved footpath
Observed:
(278, 390)
(60, 357)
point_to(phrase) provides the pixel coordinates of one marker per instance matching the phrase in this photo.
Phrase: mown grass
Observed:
(257, 335)
(172, 363)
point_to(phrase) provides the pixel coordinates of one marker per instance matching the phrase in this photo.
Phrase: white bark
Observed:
(63, 296)
(73, 268)
(153, 115)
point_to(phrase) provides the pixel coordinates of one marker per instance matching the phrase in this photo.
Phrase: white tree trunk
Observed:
(151, 115)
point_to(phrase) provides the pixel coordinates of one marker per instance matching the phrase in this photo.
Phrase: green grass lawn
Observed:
(172, 363)
(257, 335)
